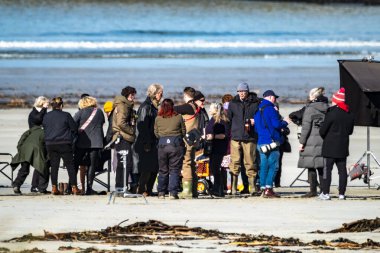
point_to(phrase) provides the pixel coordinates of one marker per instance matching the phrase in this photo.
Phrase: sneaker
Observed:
(324, 196)
(173, 196)
(34, 189)
(161, 195)
(16, 190)
(342, 197)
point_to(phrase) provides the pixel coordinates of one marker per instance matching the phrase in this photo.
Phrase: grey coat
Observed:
(312, 119)
(92, 136)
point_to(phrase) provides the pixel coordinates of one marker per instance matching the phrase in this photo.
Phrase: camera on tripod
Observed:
(268, 147)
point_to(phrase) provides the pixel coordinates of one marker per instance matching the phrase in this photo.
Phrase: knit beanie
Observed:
(339, 96)
(108, 106)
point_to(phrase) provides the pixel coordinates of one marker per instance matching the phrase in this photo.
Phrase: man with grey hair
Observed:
(146, 153)
(243, 138)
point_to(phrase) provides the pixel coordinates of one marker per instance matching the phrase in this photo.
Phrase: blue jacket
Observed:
(273, 121)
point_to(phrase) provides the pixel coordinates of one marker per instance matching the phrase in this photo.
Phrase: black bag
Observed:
(193, 137)
(207, 150)
(286, 147)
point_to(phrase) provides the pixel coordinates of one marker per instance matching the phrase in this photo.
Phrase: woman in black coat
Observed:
(217, 132)
(90, 120)
(145, 147)
(335, 131)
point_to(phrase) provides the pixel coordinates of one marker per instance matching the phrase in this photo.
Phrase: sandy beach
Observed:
(289, 216)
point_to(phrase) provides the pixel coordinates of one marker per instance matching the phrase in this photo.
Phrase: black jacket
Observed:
(238, 113)
(146, 141)
(59, 127)
(36, 117)
(335, 131)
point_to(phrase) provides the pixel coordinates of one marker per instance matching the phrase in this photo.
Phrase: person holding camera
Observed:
(310, 147)
(268, 125)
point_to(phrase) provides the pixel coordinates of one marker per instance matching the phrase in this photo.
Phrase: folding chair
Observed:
(107, 170)
(298, 178)
(5, 164)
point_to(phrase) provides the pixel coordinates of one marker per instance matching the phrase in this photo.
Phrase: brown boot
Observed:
(75, 190)
(269, 193)
(54, 190)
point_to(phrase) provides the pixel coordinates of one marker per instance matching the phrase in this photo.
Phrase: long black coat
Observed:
(238, 112)
(335, 131)
(145, 147)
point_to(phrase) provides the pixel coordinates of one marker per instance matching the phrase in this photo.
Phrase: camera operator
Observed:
(268, 125)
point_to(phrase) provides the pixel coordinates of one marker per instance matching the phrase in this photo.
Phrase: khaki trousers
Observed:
(247, 150)
(188, 167)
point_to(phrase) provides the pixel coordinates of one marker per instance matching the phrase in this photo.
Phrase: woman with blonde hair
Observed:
(40, 178)
(90, 120)
(146, 154)
(217, 132)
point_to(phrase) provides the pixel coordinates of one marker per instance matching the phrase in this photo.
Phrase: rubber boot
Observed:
(234, 183)
(251, 187)
(187, 189)
(312, 178)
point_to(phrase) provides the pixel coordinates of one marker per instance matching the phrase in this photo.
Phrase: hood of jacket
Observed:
(122, 100)
(319, 106)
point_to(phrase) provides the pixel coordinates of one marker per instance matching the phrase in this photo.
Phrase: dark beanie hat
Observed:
(198, 95)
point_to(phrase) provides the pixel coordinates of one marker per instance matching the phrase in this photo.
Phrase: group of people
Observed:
(160, 140)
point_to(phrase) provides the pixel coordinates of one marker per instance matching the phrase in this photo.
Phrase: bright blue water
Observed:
(58, 47)
(168, 29)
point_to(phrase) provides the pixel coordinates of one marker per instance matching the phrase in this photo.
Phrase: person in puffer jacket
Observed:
(123, 127)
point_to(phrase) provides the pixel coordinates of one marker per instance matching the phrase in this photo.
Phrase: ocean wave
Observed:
(196, 44)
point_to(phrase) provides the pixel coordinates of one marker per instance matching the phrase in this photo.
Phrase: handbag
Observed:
(207, 150)
(357, 171)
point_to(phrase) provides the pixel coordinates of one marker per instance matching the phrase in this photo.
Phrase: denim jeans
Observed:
(269, 162)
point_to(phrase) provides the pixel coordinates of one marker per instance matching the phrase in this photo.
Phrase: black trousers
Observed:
(42, 180)
(64, 151)
(342, 170)
(146, 181)
(215, 162)
(121, 147)
(170, 158)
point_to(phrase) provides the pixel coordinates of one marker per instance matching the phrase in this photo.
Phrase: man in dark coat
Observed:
(145, 146)
(243, 139)
(335, 131)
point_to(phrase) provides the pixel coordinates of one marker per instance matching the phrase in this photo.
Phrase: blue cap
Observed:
(269, 93)
(243, 87)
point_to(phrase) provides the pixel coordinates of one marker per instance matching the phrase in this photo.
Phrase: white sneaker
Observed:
(342, 197)
(324, 196)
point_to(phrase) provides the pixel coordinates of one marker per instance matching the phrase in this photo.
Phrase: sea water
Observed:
(69, 47)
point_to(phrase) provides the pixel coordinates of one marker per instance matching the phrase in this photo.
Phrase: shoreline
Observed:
(26, 102)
